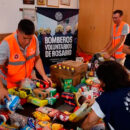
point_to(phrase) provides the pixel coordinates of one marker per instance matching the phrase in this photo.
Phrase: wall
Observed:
(95, 22)
(125, 6)
(10, 14)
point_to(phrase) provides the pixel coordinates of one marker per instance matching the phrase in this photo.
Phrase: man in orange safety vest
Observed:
(119, 31)
(19, 54)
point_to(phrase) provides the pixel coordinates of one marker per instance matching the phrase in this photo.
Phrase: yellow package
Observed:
(67, 113)
(54, 85)
(22, 94)
(40, 116)
(89, 82)
(80, 113)
(77, 96)
(37, 102)
(57, 126)
(45, 124)
(11, 91)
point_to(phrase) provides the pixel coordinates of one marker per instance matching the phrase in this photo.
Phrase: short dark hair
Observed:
(113, 75)
(26, 26)
(119, 12)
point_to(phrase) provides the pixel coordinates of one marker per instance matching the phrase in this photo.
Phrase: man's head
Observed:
(117, 16)
(48, 31)
(68, 28)
(59, 28)
(25, 31)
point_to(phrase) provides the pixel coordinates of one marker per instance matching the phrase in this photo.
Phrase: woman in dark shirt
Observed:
(114, 104)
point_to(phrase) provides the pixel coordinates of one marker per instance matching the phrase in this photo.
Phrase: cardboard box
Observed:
(40, 93)
(74, 70)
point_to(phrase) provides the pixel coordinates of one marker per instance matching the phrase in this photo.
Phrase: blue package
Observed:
(12, 103)
(31, 122)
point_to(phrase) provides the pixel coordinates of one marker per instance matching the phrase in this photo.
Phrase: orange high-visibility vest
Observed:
(116, 39)
(19, 66)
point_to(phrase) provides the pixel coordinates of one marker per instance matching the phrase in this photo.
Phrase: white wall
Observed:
(10, 14)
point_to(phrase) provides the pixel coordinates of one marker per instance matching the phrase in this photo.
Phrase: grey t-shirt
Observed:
(125, 30)
(5, 53)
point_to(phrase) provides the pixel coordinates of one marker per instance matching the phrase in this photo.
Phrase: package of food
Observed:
(88, 94)
(27, 83)
(56, 126)
(80, 113)
(44, 110)
(51, 91)
(40, 93)
(51, 100)
(18, 120)
(4, 126)
(31, 122)
(62, 116)
(37, 102)
(53, 113)
(40, 116)
(96, 90)
(45, 124)
(27, 127)
(13, 103)
(68, 96)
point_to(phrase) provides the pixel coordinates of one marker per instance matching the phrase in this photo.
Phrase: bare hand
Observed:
(106, 55)
(103, 51)
(3, 94)
(46, 78)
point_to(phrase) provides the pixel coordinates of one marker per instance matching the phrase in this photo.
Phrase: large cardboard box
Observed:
(74, 70)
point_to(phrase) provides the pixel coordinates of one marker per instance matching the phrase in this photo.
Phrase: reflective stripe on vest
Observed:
(3, 78)
(21, 62)
(30, 57)
(2, 75)
(18, 66)
(116, 39)
(17, 63)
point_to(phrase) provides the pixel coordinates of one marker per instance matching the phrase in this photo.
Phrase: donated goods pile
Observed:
(77, 85)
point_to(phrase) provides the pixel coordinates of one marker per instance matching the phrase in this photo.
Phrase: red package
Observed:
(86, 57)
(53, 113)
(57, 96)
(23, 101)
(76, 108)
(62, 116)
(68, 96)
(69, 103)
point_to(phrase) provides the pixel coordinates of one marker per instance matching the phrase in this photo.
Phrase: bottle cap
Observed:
(72, 69)
(55, 66)
(60, 67)
(68, 68)
(64, 67)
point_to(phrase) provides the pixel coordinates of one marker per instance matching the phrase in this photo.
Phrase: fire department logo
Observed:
(32, 51)
(58, 16)
(16, 56)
